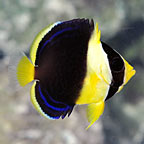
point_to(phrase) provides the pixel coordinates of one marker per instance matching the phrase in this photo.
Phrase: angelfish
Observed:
(69, 65)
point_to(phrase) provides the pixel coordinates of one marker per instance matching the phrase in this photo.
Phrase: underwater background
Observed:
(122, 26)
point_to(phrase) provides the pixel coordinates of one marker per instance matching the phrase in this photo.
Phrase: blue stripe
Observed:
(49, 117)
(53, 36)
(50, 106)
(54, 101)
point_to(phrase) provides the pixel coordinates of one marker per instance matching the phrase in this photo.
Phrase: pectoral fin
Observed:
(94, 111)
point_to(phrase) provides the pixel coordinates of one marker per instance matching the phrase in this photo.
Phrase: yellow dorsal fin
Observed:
(97, 34)
(25, 71)
(94, 111)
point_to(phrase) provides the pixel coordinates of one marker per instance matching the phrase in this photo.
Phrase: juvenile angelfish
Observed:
(69, 65)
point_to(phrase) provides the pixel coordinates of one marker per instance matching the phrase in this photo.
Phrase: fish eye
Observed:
(117, 64)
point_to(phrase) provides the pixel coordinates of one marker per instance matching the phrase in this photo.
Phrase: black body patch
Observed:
(61, 59)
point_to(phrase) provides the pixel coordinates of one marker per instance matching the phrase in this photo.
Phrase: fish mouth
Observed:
(133, 71)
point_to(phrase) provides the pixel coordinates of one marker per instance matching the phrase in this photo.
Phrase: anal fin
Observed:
(46, 105)
(94, 111)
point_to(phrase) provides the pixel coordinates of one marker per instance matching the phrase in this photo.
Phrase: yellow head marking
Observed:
(129, 72)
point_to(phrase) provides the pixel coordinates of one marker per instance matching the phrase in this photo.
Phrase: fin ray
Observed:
(25, 71)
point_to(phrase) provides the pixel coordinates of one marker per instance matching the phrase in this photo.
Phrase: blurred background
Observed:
(122, 26)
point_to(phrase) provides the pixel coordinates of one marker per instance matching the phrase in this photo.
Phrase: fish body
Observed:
(70, 65)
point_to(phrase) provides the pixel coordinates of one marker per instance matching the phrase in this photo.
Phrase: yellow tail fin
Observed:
(25, 71)
(94, 111)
